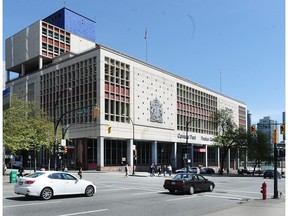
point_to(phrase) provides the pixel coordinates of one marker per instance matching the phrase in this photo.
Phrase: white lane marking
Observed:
(87, 212)
(31, 204)
(181, 198)
(150, 191)
(231, 197)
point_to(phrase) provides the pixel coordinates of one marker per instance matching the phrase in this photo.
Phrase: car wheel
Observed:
(191, 190)
(89, 191)
(211, 188)
(46, 193)
(172, 191)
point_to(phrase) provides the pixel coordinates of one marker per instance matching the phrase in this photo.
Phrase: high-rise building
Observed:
(142, 107)
(267, 126)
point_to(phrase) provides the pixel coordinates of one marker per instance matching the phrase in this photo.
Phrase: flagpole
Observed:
(145, 37)
(146, 51)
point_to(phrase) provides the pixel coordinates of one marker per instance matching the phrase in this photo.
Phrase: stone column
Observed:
(100, 152)
(154, 152)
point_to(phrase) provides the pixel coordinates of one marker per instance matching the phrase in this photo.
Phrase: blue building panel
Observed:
(73, 22)
(57, 18)
(79, 25)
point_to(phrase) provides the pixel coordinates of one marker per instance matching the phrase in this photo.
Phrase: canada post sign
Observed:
(200, 138)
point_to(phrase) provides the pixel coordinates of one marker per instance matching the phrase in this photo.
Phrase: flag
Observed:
(145, 37)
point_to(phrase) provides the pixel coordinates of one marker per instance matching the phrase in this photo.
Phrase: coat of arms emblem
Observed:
(156, 111)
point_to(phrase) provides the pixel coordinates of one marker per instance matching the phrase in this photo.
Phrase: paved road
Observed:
(141, 195)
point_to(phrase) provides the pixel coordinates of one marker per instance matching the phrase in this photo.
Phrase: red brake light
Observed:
(167, 182)
(181, 183)
(29, 182)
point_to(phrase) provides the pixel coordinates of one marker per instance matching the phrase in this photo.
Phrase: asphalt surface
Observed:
(255, 206)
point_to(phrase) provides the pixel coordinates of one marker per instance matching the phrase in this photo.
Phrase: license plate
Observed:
(173, 183)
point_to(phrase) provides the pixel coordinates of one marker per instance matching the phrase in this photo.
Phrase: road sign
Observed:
(80, 111)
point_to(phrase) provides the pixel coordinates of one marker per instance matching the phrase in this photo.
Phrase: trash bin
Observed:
(13, 176)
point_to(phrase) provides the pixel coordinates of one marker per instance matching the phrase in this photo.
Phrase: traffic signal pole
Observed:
(275, 172)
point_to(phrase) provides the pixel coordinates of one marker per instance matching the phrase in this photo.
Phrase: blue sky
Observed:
(242, 40)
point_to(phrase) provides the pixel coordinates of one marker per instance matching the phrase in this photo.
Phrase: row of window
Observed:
(117, 90)
(55, 86)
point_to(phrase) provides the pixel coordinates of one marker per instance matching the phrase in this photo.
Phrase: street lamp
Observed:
(133, 170)
(59, 94)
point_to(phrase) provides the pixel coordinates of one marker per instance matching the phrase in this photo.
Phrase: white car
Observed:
(194, 170)
(47, 184)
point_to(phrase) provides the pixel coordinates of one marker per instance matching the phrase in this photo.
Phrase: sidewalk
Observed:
(259, 207)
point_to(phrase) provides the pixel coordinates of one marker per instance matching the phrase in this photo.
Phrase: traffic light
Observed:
(253, 129)
(65, 149)
(275, 136)
(95, 112)
(109, 129)
(282, 129)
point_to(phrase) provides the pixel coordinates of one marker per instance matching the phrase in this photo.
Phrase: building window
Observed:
(195, 107)
(117, 90)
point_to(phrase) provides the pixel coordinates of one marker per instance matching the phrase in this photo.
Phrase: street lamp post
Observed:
(133, 170)
(59, 94)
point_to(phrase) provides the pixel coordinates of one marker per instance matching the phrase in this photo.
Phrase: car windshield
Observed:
(34, 175)
(182, 177)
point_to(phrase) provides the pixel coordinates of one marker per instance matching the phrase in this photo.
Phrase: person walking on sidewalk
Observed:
(80, 172)
(169, 169)
(126, 170)
(20, 170)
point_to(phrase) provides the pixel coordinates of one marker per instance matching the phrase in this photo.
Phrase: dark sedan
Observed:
(189, 183)
(270, 174)
(207, 170)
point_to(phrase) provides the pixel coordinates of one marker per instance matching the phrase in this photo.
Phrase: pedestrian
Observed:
(164, 169)
(152, 169)
(126, 170)
(169, 169)
(80, 172)
(65, 169)
(159, 171)
(4, 168)
(20, 170)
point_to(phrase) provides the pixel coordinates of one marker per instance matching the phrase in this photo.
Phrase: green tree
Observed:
(259, 148)
(229, 135)
(26, 127)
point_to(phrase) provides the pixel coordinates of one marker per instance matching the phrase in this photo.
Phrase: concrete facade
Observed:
(147, 108)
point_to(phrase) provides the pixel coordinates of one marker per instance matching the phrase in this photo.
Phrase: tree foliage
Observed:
(26, 127)
(229, 135)
(259, 148)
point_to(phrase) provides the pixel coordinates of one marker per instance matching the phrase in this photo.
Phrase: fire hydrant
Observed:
(264, 191)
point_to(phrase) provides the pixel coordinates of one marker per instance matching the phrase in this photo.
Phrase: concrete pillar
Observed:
(40, 62)
(100, 152)
(130, 152)
(206, 156)
(174, 155)
(228, 160)
(22, 69)
(191, 154)
(8, 76)
(218, 157)
(154, 152)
